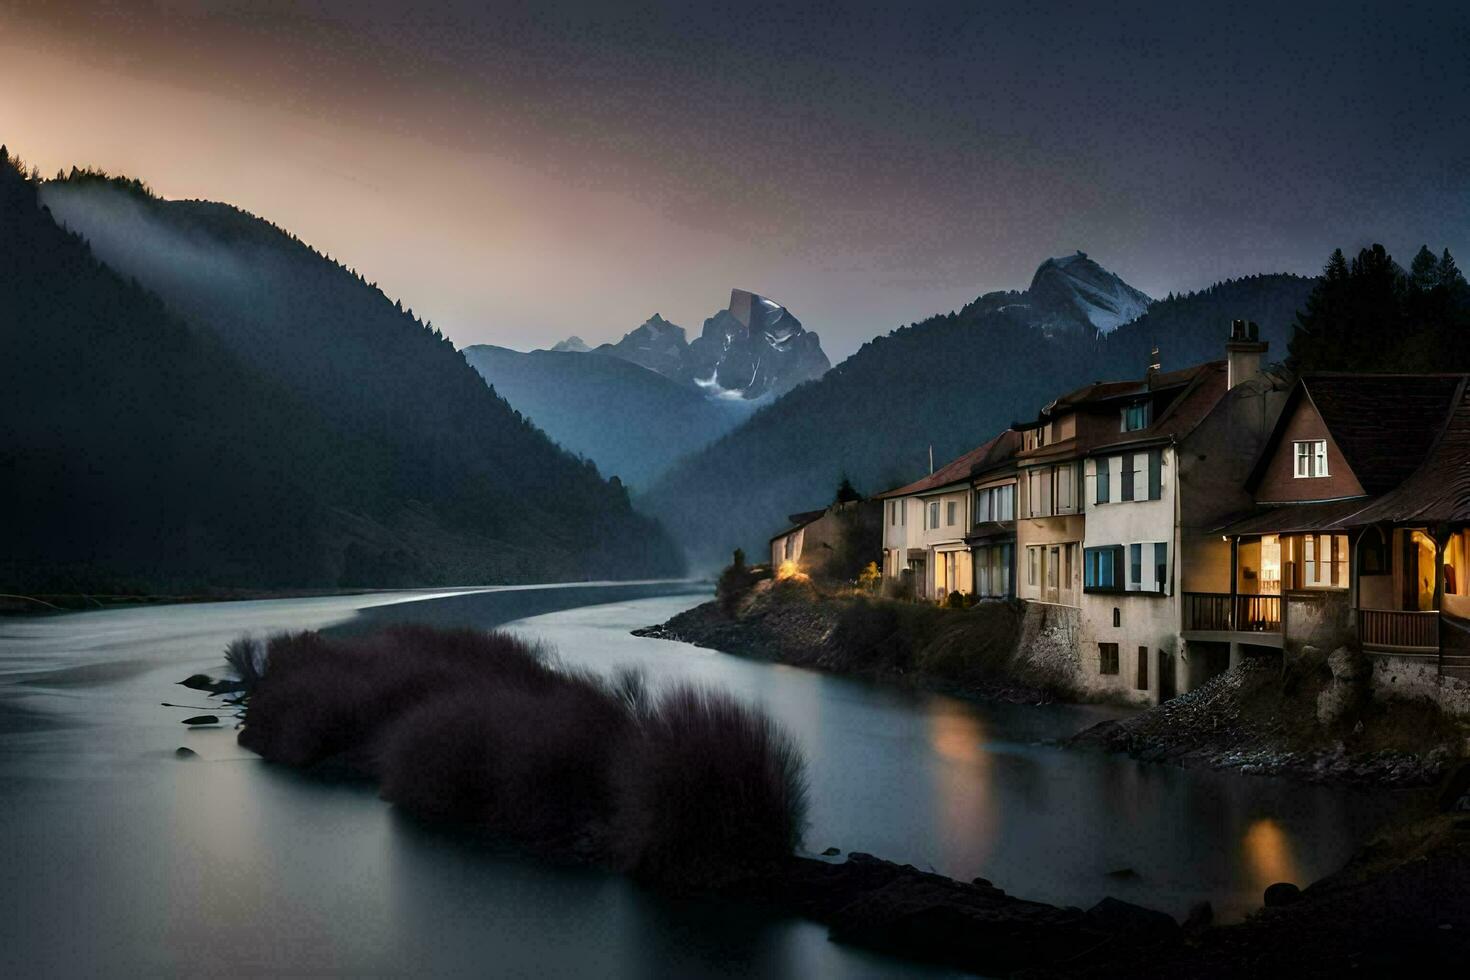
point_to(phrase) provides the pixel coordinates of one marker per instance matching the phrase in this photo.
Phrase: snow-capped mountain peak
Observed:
(1073, 291)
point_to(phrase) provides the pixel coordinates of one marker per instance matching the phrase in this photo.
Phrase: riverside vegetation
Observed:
(685, 789)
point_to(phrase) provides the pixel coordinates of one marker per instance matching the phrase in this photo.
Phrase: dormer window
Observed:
(1137, 416)
(1311, 458)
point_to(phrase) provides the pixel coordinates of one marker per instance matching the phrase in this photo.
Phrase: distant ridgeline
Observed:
(193, 397)
(952, 382)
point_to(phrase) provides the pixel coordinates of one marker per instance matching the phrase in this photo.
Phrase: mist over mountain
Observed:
(632, 422)
(950, 382)
(398, 465)
(752, 349)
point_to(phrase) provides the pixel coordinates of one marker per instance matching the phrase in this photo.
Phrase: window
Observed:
(1141, 681)
(1063, 489)
(1117, 616)
(1136, 416)
(893, 512)
(1103, 467)
(1033, 561)
(1107, 658)
(1161, 566)
(1135, 567)
(1126, 489)
(1311, 458)
(934, 514)
(1051, 567)
(1038, 495)
(1324, 561)
(1143, 475)
(995, 504)
(1100, 569)
(951, 509)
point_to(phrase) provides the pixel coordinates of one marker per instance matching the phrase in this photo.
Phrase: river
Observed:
(122, 859)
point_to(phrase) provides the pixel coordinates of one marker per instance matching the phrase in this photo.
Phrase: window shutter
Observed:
(1102, 480)
(1127, 493)
(1155, 473)
(1135, 566)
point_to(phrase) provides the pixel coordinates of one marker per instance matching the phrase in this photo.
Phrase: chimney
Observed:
(1243, 352)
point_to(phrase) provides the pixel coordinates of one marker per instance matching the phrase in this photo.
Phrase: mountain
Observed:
(950, 382)
(366, 449)
(750, 350)
(1074, 291)
(632, 422)
(573, 343)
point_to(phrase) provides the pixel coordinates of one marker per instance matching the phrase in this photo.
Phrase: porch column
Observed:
(1234, 578)
(1235, 654)
(1441, 544)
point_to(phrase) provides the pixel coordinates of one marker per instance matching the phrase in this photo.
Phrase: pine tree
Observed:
(1447, 273)
(1424, 271)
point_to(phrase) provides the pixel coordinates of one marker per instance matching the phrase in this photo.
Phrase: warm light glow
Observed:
(1268, 853)
(788, 569)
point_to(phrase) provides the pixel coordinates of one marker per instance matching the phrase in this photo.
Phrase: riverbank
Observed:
(988, 651)
(1260, 718)
(1315, 720)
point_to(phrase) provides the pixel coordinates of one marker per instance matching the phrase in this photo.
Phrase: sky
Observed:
(519, 172)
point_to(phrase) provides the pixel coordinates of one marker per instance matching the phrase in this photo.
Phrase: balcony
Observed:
(1222, 612)
(1395, 631)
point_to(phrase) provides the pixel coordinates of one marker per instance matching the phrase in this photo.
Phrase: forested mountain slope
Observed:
(271, 406)
(952, 382)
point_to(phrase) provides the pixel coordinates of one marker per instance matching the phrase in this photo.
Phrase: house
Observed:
(1155, 494)
(831, 544)
(1358, 530)
(992, 534)
(928, 525)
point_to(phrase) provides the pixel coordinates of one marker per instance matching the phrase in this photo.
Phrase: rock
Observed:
(1201, 914)
(198, 682)
(981, 883)
(1132, 922)
(1348, 665)
(831, 852)
(202, 720)
(184, 752)
(1280, 894)
(1124, 874)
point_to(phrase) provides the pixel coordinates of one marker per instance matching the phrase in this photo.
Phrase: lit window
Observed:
(1311, 458)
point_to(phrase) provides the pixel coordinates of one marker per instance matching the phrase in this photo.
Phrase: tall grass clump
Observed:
(247, 657)
(688, 786)
(710, 789)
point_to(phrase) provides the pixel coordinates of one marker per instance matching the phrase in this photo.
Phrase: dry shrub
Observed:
(712, 788)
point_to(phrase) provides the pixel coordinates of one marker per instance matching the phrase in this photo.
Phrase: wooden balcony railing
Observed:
(1388, 629)
(1223, 612)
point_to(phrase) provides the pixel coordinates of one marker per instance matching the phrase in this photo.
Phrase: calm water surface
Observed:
(122, 859)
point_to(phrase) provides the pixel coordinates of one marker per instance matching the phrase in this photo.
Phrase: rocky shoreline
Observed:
(1311, 722)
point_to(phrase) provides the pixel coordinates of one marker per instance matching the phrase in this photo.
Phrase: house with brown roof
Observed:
(929, 525)
(1357, 533)
(1155, 492)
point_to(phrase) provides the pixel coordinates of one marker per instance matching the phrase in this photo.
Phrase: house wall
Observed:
(1039, 531)
(1144, 620)
(1279, 483)
(778, 547)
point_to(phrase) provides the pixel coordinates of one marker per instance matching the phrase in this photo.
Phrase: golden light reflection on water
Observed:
(964, 805)
(1268, 853)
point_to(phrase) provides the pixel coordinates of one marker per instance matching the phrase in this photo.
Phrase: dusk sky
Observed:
(529, 171)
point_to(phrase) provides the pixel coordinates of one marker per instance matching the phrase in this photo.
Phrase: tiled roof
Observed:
(1205, 386)
(1385, 424)
(1439, 490)
(958, 470)
(1297, 518)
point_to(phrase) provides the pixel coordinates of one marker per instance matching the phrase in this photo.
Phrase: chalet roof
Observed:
(1385, 424)
(1439, 490)
(1323, 515)
(988, 456)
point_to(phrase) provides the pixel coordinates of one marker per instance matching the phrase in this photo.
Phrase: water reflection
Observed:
(1268, 852)
(224, 864)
